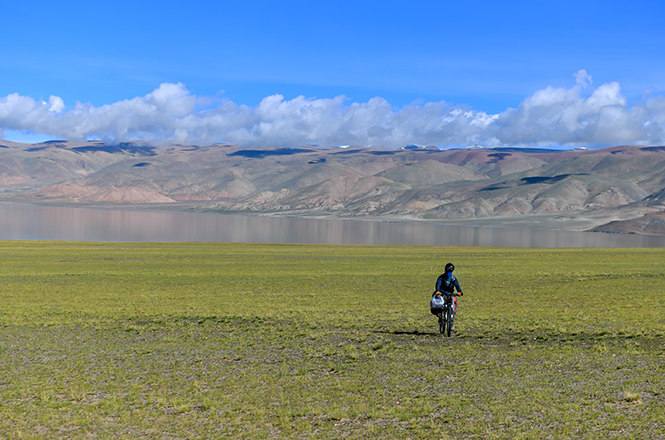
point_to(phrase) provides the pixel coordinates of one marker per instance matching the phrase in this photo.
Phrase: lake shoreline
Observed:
(87, 223)
(555, 222)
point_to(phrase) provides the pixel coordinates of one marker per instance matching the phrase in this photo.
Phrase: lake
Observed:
(26, 222)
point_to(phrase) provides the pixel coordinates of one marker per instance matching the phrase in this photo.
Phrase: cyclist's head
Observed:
(450, 267)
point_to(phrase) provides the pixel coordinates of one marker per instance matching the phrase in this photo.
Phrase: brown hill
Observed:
(653, 223)
(574, 189)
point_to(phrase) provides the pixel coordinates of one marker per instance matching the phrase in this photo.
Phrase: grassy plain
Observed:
(206, 341)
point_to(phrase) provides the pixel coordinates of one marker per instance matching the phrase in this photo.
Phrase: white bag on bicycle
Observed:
(436, 304)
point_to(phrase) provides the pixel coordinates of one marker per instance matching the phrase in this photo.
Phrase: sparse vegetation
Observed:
(631, 396)
(187, 341)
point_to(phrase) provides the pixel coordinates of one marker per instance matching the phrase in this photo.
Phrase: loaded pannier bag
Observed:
(436, 305)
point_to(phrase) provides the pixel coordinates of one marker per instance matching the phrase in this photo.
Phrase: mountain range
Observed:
(617, 189)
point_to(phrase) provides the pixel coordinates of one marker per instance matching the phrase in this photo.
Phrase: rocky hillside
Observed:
(576, 189)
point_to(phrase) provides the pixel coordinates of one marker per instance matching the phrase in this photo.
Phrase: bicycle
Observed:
(443, 307)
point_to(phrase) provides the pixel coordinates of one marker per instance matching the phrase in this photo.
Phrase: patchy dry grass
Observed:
(186, 341)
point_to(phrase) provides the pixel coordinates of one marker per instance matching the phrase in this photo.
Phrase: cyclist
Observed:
(447, 283)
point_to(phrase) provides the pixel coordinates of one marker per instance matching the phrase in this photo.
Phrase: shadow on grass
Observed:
(404, 332)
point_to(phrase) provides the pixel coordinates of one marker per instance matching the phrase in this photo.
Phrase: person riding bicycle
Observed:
(447, 283)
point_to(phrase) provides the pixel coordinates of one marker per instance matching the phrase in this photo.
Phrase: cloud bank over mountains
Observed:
(575, 116)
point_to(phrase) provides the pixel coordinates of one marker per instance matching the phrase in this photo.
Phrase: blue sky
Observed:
(422, 60)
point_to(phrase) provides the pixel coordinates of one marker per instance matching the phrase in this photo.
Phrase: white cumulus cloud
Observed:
(575, 116)
(56, 104)
(582, 78)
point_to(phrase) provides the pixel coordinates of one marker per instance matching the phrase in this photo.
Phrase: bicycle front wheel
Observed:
(450, 322)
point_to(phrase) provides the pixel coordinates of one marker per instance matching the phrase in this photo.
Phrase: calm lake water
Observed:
(23, 222)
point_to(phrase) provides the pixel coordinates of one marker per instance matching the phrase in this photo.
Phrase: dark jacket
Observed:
(447, 283)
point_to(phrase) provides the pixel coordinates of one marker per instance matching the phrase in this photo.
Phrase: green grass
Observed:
(207, 341)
